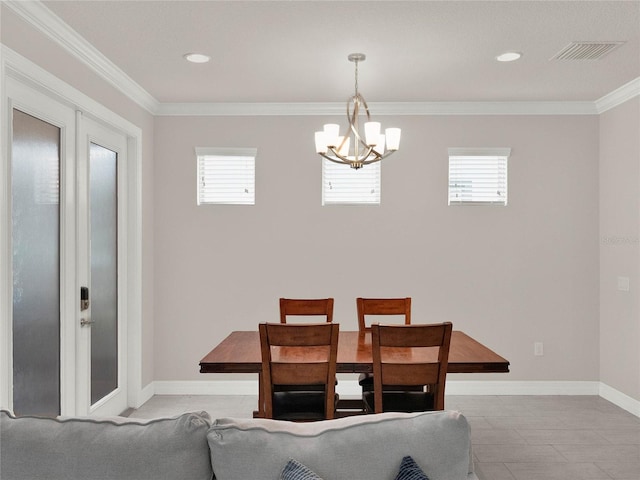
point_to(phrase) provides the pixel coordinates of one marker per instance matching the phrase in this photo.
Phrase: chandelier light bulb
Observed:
(343, 146)
(393, 139)
(371, 133)
(331, 133)
(379, 148)
(321, 142)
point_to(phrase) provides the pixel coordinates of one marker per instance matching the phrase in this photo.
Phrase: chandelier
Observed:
(363, 150)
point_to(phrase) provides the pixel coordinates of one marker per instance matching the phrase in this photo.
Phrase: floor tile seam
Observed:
(560, 453)
(617, 464)
(497, 463)
(513, 474)
(634, 449)
(528, 441)
(635, 454)
(599, 463)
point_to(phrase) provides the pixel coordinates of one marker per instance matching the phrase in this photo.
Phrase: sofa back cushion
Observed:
(83, 448)
(367, 446)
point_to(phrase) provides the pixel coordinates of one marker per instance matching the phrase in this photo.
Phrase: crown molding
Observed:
(618, 96)
(382, 108)
(16, 66)
(44, 20)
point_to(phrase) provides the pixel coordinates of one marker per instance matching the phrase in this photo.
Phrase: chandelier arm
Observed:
(352, 117)
(348, 160)
(368, 152)
(359, 159)
(337, 155)
(335, 160)
(377, 159)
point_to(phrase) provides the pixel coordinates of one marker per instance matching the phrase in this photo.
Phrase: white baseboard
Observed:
(145, 394)
(476, 387)
(620, 399)
(351, 388)
(203, 387)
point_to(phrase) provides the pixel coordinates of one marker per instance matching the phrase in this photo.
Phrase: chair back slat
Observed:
(410, 374)
(289, 373)
(306, 307)
(299, 335)
(396, 337)
(382, 306)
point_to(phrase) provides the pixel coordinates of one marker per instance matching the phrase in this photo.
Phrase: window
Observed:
(478, 176)
(226, 176)
(343, 185)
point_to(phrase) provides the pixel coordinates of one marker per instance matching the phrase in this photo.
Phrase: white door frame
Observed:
(18, 69)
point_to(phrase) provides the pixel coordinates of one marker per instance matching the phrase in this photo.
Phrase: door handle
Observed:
(84, 322)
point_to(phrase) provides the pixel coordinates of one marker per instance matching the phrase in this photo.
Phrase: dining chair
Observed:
(414, 363)
(290, 307)
(374, 307)
(306, 307)
(304, 356)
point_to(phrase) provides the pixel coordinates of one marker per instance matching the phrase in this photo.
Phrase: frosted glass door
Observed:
(35, 217)
(103, 214)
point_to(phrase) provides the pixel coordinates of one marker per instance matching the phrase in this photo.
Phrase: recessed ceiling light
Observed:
(508, 57)
(197, 57)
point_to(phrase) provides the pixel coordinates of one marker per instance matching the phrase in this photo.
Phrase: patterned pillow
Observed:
(409, 470)
(294, 470)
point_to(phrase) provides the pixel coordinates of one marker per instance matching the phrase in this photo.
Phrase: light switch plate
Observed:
(623, 284)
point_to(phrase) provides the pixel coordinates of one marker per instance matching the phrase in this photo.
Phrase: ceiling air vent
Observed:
(586, 50)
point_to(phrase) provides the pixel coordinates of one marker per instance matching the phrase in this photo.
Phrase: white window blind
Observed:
(478, 176)
(343, 185)
(226, 176)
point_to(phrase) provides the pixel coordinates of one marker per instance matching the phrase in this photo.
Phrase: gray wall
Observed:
(509, 276)
(620, 247)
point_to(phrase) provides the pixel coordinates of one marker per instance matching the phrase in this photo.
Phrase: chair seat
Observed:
(300, 405)
(300, 388)
(365, 380)
(395, 401)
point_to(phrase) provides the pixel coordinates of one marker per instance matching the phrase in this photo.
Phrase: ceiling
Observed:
(417, 51)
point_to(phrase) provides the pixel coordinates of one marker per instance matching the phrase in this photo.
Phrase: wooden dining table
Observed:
(240, 353)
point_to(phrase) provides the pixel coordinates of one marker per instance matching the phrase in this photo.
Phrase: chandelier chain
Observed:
(356, 62)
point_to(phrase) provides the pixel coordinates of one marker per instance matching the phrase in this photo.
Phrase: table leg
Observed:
(260, 412)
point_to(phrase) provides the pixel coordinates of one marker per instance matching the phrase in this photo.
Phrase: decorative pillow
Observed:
(409, 470)
(294, 470)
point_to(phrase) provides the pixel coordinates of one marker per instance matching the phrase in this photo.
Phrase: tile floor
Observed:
(514, 437)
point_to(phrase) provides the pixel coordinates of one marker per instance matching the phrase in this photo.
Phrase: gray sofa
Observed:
(191, 447)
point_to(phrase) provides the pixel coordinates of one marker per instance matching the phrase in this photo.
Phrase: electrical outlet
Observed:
(538, 349)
